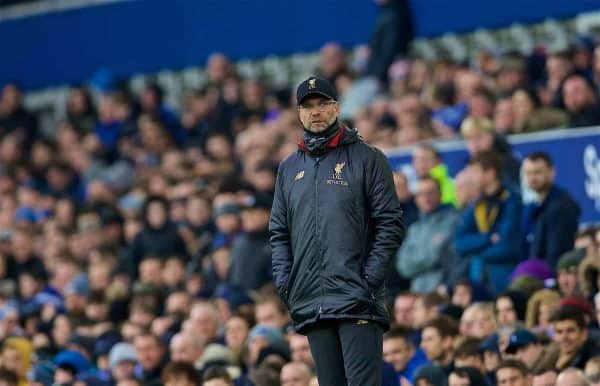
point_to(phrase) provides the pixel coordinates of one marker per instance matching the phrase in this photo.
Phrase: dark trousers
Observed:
(347, 352)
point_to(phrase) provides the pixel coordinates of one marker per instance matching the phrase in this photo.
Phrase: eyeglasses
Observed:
(321, 106)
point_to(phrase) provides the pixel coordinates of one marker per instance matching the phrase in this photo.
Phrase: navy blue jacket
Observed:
(335, 226)
(550, 228)
(491, 263)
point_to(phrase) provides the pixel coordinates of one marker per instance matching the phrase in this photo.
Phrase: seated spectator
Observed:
(216, 376)
(150, 352)
(571, 377)
(524, 346)
(295, 374)
(592, 370)
(468, 354)
(550, 224)
(271, 311)
(402, 354)
(437, 341)
(545, 378)
(426, 308)
(430, 375)
(180, 374)
(530, 115)
(540, 308)
(571, 336)
(8, 378)
(427, 163)
(511, 308)
(567, 272)
(122, 360)
(512, 372)
(488, 232)
(466, 376)
(403, 309)
(480, 137)
(466, 189)
(301, 350)
(428, 242)
(159, 237)
(589, 273)
(580, 100)
(478, 320)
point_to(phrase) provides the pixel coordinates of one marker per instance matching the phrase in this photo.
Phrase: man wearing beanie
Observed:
(335, 225)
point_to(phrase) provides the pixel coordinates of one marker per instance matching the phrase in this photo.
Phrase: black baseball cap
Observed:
(315, 85)
(519, 339)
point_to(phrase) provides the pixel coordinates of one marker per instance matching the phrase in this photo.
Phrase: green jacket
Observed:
(440, 173)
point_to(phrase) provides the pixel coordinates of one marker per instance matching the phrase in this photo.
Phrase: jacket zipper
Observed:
(319, 249)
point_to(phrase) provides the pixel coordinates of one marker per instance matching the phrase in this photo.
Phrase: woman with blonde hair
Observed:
(539, 308)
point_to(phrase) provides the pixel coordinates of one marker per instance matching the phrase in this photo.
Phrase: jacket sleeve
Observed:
(280, 238)
(507, 247)
(385, 218)
(561, 232)
(469, 240)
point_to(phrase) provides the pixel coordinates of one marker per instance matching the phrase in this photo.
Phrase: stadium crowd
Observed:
(134, 245)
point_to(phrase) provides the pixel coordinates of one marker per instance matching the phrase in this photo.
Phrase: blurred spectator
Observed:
(571, 336)
(489, 230)
(571, 377)
(427, 163)
(551, 222)
(530, 115)
(567, 272)
(332, 62)
(513, 372)
(253, 271)
(295, 374)
(437, 341)
(430, 375)
(392, 35)
(428, 242)
(480, 137)
(545, 378)
(466, 376)
(580, 100)
(150, 352)
(180, 374)
(410, 212)
(401, 353)
(14, 119)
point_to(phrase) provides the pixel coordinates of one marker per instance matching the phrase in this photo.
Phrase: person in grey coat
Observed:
(429, 240)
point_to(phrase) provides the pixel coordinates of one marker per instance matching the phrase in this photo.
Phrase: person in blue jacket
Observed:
(489, 232)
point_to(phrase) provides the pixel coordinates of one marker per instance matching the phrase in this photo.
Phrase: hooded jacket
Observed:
(335, 225)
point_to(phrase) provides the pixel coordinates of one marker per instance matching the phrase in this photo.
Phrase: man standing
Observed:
(488, 235)
(335, 225)
(551, 223)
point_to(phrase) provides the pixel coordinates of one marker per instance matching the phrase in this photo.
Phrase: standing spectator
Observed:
(489, 231)
(428, 241)
(14, 119)
(392, 35)
(550, 224)
(580, 100)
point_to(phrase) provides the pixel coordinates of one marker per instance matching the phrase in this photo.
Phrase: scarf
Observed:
(320, 143)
